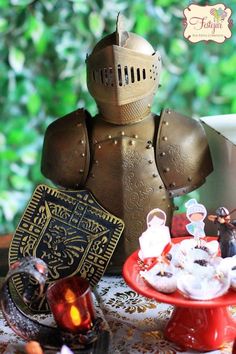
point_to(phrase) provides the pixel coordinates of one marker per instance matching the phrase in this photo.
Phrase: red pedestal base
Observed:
(202, 329)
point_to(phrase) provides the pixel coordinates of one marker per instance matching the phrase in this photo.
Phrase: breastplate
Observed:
(124, 179)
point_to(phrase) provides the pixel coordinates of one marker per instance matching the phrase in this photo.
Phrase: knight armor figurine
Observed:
(130, 159)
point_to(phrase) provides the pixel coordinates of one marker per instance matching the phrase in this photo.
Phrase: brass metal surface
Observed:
(65, 155)
(125, 179)
(123, 74)
(182, 153)
(69, 231)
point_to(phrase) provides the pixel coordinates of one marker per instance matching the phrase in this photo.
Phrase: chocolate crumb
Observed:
(165, 274)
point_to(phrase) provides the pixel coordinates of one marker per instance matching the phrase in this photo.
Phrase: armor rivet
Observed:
(136, 136)
(109, 136)
(122, 133)
(131, 142)
(154, 175)
(81, 141)
(149, 105)
(172, 184)
(150, 161)
(115, 142)
(165, 138)
(170, 194)
(164, 198)
(159, 58)
(189, 179)
(92, 175)
(96, 162)
(83, 154)
(95, 141)
(165, 122)
(160, 187)
(81, 171)
(162, 154)
(99, 146)
(166, 169)
(168, 111)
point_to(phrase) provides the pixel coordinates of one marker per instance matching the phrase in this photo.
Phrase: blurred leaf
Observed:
(19, 182)
(4, 3)
(21, 2)
(9, 155)
(16, 137)
(2, 141)
(38, 32)
(228, 90)
(178, 47)
(10, 201)
(29, 157)
(16, 59)
(227, 66)
(34, 28)
(80, 6)
(188, 82)
(164, 3)
(142, 25)
(3, 24)
(233, 106)
(204, 88)
(96, 23)
(34, 103)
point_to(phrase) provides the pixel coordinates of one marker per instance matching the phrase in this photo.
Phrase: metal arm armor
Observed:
(66, 154)
(182, 153)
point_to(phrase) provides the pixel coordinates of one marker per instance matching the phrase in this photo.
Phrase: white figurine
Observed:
(196, 213)
(156, 237)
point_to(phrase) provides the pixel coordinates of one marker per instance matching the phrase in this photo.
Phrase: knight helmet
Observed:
(123, 73)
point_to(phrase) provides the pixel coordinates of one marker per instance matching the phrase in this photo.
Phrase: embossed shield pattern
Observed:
(70, 231)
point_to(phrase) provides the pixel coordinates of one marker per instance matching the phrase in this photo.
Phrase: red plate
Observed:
(201, 325)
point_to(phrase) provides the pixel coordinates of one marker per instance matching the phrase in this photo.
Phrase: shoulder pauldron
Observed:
(66, 156)
(182, 153)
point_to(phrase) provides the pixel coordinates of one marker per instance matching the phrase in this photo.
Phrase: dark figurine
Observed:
(132, 160)
(226, 231)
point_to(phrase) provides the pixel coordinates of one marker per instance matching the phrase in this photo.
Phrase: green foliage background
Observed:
(43, 46)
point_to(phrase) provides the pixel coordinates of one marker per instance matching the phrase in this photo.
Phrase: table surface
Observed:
(136, 323)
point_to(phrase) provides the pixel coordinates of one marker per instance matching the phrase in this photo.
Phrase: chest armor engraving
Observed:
(124, 178)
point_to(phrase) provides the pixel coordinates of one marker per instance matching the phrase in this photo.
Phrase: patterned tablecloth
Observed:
(136, 322)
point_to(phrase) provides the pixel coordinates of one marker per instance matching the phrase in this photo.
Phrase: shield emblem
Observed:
(70, 231)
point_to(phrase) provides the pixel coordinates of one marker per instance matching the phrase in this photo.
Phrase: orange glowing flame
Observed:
(75, 316)
(70, 296)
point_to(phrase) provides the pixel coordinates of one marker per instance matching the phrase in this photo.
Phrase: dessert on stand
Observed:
(189, 273)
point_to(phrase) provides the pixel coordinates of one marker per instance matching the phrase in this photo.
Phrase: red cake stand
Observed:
(200, 325)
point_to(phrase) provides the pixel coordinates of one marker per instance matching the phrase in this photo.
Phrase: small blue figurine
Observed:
(196, 213)
(226, 231)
